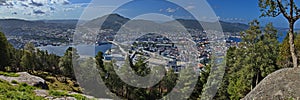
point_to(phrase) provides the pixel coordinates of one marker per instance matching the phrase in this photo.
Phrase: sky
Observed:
(242, 11)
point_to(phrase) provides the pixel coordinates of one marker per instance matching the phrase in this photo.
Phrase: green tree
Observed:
(285, 59)
(26, 61)
(290, 11)
(253, 60)
(231, 58)
(66, 62)
(4, 56)
(15, 59)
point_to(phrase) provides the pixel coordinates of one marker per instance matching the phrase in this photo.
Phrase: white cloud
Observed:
(170, 10)
(239, 20)
(68, 9)
(32, 7)
(190, 7)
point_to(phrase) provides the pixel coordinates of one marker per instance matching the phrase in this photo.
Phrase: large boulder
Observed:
(28, 79)
(283, 84)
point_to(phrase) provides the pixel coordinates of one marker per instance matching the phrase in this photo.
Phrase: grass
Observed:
(66, 94)
(21, 91)
(55, 84)
(8, 74)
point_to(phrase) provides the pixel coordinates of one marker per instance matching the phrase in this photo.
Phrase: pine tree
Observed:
(66, 62)
(254, 59)
(4, 56)
(26, 61)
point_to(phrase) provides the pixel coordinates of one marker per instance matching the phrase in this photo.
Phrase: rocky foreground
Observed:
(283, 84)
(32, 80)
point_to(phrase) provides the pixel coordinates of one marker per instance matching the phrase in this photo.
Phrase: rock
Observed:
(42, 93)
(28, 79)
(281, 85)
(40, 82)
(65, 98)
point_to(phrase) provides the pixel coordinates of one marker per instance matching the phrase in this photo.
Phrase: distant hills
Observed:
(113, 21)
(25, 27)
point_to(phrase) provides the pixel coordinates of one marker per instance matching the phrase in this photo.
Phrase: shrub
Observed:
(14, 82)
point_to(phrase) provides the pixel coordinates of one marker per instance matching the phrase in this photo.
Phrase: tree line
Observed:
(34, 60)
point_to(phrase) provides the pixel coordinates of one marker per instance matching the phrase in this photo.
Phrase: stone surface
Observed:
(283, 84)
(42, 93)
(28, 79)
(40, 82)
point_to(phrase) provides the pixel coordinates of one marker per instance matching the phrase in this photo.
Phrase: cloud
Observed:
(33, 7)
(68, 9)
(2, 2)
(190, 7)
(39, 12)
(170, 10)
(240, 20)
(64, 2)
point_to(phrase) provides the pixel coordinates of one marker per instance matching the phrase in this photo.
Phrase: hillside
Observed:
(25, 27)
(281, 85)
(114, 21)
(24, 86)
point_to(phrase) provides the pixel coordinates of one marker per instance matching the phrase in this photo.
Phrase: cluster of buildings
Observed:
(54, 37)
(160, 50)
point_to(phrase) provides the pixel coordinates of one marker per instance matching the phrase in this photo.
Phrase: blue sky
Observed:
(227, 10)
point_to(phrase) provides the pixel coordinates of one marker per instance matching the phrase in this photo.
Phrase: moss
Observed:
(9, 74)
(58, 93)
(18, 92)
(65, 94)
(69, 85)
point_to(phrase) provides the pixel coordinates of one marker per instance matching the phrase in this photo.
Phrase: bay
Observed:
(88, 50)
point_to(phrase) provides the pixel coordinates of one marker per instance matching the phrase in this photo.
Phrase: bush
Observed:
(14, 82)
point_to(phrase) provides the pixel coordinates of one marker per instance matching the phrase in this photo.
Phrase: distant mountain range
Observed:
(21, 27)
(113, 21)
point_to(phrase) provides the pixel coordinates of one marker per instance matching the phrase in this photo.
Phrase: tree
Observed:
(26, 61)
(15, 59)
(290, 11)
(29, 57)
(66, 62)
(222, 93)
(99, 60)
(4, 56)
(253, 60)
(284, 59)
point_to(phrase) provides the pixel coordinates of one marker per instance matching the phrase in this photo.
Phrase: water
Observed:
(91, 50)
(88, 50)
(281, 36)
(235, 39)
